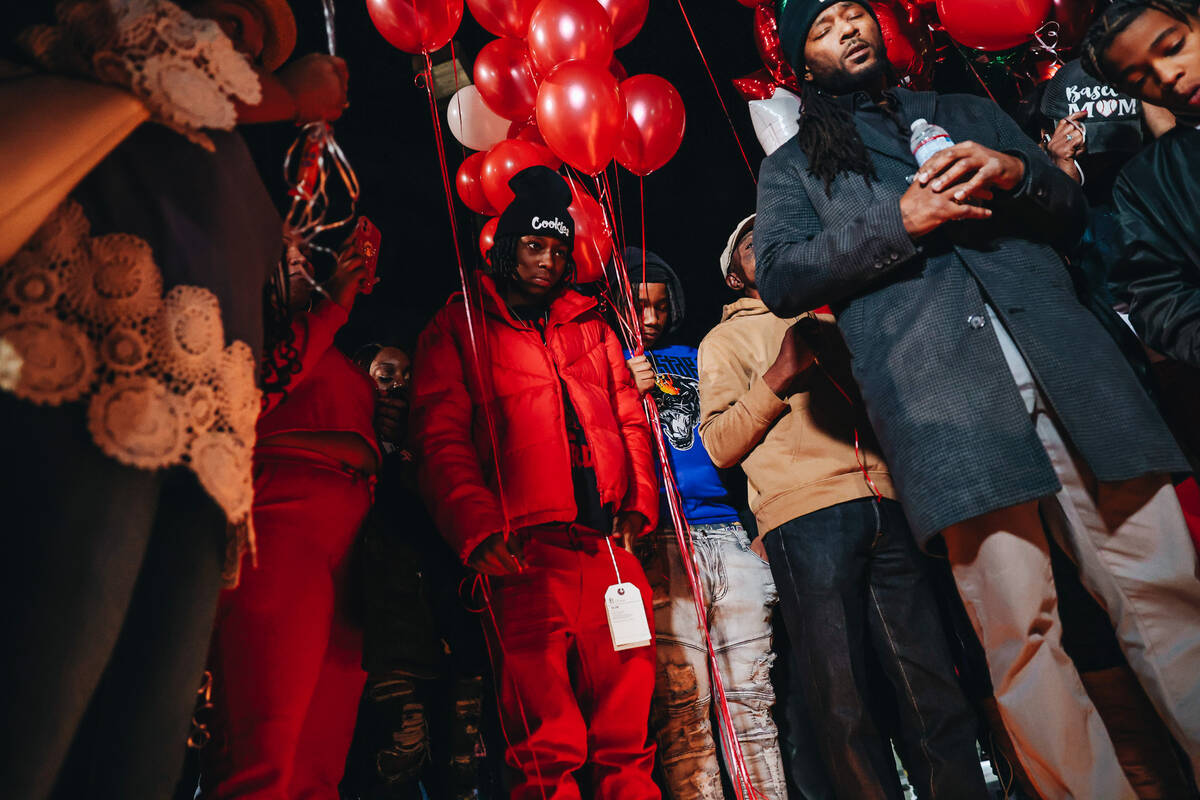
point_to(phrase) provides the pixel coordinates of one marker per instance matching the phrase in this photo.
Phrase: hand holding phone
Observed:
(366, 244)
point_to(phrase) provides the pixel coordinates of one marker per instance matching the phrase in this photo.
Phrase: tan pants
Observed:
(1131, 544)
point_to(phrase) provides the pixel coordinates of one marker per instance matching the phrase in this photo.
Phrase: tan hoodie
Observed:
(799, 454)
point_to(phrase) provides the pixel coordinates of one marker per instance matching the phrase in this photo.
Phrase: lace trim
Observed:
(84, 316)
(186, 70)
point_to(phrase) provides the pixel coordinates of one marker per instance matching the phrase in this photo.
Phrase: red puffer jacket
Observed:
(521, 375)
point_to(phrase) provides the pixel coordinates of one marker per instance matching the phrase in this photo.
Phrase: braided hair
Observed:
(1114, 20)
(281, 359)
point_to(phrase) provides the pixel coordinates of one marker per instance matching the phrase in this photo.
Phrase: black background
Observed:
(692, 203)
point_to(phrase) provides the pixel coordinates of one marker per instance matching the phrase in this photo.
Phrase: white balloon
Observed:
(775, 120)
(474, 124)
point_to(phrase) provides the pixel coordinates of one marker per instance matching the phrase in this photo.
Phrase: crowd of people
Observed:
(907, 518)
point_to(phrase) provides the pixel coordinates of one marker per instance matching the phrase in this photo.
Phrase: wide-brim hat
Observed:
(280, 38)
(734, 238)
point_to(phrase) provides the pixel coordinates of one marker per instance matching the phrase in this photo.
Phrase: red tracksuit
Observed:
(585, 703)
(286, 658)
(570, 703)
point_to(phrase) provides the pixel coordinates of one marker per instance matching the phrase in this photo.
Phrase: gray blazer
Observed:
(946, 410)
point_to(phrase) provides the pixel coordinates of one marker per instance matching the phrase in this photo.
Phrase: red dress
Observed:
(286, 657)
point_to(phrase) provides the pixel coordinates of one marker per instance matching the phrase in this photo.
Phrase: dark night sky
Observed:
(691, 204)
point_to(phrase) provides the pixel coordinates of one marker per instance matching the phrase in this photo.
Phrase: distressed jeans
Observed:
(739, 596)
(850, 583)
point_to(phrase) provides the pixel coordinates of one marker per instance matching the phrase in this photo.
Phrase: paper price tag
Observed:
(626, 617)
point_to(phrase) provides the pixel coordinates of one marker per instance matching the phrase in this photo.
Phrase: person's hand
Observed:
(794, 358)
(628, 525)
(970, 172)
(317, 84)
(643, 373)
(390, 412)
(348, 277)
(923, 210)
(1068, 141)
(759, 549)
(496, 557)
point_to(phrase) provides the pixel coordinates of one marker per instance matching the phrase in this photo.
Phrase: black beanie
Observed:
(539, 208)
(796, 19)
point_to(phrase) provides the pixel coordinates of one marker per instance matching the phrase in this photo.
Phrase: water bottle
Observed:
(927, 139)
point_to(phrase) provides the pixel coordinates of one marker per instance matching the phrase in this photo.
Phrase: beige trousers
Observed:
(1134, 555)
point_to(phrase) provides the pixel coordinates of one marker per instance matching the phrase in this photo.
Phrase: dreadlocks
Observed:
(280, 359)
(502, 258)
(1114, 20)
(829, 138)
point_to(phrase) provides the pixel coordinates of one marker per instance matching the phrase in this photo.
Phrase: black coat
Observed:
(1157, 197)
(937, 388)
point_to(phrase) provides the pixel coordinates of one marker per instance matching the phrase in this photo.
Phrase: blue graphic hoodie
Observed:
(677, 395)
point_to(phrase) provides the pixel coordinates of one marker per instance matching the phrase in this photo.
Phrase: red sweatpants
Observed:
(286, 660)
(585, 704)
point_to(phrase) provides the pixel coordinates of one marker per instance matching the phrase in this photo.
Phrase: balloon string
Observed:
(738, 768)
(720, 99)
(974, 72)
(1047, 39)
(497, 667)
(327, 6)
(642, 192)
(620, 210)
(618, 230)
(484, 387)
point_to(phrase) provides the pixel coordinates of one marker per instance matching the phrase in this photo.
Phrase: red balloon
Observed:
(1073, 18)
(565, 30)
(757, 85)
(593, 241)
(654, 123)
(487, 237)
(627, 16)
(503, 17)
(416, 26)
(766, 39)
(526, 130)
(503, 161)
(750, 3)
(470, 187)
(992, 24)
(908, 44)
(618, 70)
(504, 77)
(580, 113)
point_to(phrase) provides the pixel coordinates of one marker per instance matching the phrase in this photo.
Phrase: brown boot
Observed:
(1144, 746)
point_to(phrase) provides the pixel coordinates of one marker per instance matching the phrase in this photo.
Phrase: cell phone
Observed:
(366, 244)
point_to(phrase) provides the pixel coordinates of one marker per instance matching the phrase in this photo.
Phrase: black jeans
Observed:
(850, 582)
(108, 601)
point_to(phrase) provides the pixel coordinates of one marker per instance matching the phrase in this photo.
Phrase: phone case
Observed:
(366, 242)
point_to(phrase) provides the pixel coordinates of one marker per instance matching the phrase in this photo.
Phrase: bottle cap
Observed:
(917, 124)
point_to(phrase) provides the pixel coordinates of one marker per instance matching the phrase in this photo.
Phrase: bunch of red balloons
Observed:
(553, 75)
(990, 26)
(548, 91)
